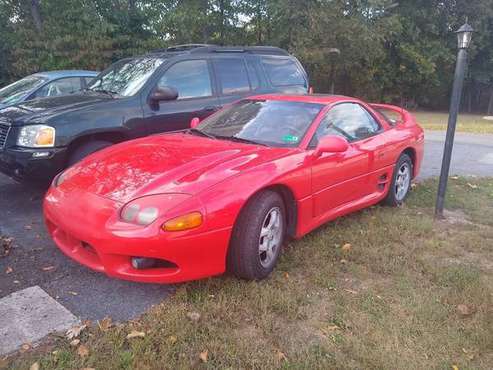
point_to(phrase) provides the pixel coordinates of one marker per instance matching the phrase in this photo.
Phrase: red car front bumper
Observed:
(85, 227)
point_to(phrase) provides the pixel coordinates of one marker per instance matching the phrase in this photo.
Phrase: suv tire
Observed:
(85, 149)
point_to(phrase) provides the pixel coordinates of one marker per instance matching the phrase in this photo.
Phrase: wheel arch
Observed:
(289, 200)
(411, 152)
(111, 136)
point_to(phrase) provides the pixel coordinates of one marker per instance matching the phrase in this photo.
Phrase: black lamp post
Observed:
(335, 52)
(464, 36)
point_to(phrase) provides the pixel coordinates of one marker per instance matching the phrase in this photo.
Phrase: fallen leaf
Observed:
(203, 356)
(48, 268)
(194, 316)
(5, 246)
(105, 324)
(472, 186)
(3, 363)
(75, 331)
(286, 275)
(83, 351)
(346, 247)
(414, 185)
(343, 261)
(281, 356)
(455, 367)
(88, 368)
(171, 339)
(351, 291)
(73, 293)
(136, 334)
(75, 342)
(332, 327)
(9, 270)
(25, 347)
(465, 310)
(454, 177)
(34, 366)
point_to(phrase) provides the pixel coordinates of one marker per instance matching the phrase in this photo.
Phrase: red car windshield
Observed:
(267, 122)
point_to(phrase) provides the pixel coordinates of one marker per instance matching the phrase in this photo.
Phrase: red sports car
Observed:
(226, 194)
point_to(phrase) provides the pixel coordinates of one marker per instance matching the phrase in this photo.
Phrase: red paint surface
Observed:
(215, 177)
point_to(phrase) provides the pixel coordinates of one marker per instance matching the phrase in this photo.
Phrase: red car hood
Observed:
(169, 163)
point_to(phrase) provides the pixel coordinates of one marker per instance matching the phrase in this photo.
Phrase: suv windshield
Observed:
(14, 92)
(268, 122)
(125, 78)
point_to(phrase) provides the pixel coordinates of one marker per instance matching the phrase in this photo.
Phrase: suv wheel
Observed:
(85, 149)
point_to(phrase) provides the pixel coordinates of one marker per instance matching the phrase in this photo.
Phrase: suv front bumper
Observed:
(32, 163)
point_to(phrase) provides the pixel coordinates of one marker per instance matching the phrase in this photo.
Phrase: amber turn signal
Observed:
(45, 137)
(185, 222)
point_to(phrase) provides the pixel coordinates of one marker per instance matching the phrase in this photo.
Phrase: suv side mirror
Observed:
(160, 94)
(331, 144)
(194, 122)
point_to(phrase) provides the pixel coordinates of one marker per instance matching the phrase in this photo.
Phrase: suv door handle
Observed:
(212, 108)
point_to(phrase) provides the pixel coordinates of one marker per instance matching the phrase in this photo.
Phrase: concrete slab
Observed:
(29, 315)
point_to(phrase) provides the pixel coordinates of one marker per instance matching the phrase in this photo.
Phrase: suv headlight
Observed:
(36, 136)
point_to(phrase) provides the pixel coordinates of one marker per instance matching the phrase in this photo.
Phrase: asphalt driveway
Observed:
(34, 260)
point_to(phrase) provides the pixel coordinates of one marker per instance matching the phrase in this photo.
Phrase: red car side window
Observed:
(349, 120)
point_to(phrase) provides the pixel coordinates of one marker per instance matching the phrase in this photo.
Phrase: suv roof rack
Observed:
(268, 50)
(211, 48)
(185, 47)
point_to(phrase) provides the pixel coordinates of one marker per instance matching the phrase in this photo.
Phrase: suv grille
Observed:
(4, 131)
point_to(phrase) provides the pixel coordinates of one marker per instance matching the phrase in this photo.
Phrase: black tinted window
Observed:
(191, 78)
(232, 76)
(349, 120)
(283, 72)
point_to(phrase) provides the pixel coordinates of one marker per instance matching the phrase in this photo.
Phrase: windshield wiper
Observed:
(240, 140)
(202, 133)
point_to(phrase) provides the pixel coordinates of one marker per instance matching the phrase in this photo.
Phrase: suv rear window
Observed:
(283, 72)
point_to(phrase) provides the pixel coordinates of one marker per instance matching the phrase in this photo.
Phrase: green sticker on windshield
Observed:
(290, 139)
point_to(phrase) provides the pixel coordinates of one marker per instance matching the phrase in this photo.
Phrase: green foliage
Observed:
(402, 53)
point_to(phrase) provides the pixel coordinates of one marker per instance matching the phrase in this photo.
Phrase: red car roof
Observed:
(311, 98)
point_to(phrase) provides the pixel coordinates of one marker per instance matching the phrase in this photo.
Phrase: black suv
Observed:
(157, 92)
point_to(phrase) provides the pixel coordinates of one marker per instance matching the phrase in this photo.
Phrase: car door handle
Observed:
(212, 108)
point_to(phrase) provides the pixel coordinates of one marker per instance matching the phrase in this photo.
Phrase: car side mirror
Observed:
(331, 144)
(160, 94)
(194, 122)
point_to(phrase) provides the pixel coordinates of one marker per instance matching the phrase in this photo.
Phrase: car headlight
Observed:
(145, 210)
(36, 136)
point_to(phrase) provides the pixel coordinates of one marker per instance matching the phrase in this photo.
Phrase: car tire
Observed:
(85, 149)
(401, 182)
(253, 256)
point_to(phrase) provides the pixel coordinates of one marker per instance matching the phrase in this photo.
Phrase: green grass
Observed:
(466, 122)
(390, 302)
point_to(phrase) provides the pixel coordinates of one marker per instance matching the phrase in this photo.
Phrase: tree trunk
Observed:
(221, 9)
(36, 14)
(205, 27)
(490, 105)
(259, 23)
